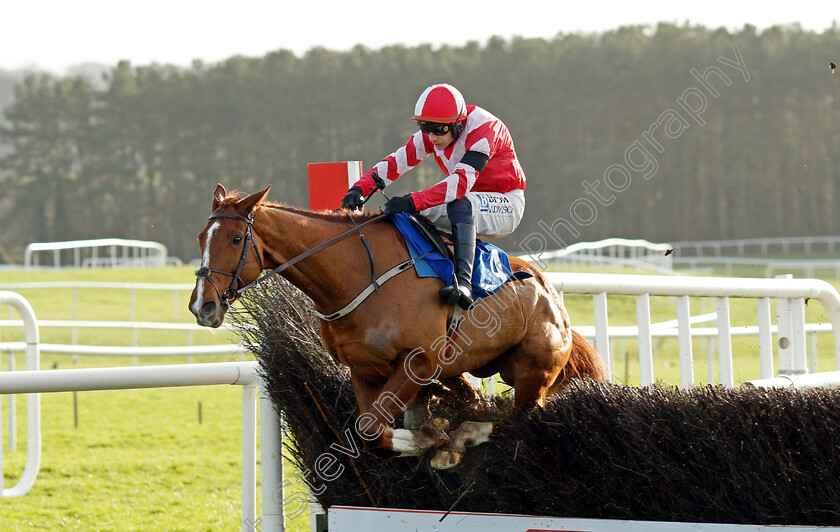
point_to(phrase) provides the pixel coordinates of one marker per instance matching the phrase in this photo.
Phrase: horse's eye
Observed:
(237, 240)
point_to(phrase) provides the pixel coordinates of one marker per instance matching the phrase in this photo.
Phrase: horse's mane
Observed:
(333, 216)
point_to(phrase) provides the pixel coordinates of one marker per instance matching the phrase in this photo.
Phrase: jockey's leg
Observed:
(494, 214)
(463, 232)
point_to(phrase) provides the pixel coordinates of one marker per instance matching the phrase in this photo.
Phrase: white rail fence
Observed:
(176, 290)
(764, 267)
(177, 293)
(612, 252)
(111, 252)
(790, 296)
(133, 350)
(759, 246)
(33, 401)
(697, 256)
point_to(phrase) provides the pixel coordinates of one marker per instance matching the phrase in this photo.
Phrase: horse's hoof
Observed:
(446, 459)
(435, 429)
(439, 423)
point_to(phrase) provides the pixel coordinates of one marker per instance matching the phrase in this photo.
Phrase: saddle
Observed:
(441, 240)
(433, 251)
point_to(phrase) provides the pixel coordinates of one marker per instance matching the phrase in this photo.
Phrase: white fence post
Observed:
(645, 342)
(800, 356)
(727, 377)
(685, 347)
(765, 338)
(12, 416)
(602, 330)
(271, 465)
(785, 332)
(33, 401)
(249, 457)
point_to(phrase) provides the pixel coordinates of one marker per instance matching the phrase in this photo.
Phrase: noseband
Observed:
(236, 283)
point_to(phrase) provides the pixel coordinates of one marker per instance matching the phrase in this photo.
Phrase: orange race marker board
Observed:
(329, 182)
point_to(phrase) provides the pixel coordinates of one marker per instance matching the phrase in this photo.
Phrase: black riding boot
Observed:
(460, 293)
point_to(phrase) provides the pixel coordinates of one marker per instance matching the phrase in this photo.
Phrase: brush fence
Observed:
(790, 330)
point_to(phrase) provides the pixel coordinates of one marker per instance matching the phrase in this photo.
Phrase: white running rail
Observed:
(33, 401)
(118, 252)
(790, 295)
(761, 246)
(616, 252)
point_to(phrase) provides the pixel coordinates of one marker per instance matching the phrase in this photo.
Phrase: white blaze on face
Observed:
(205, 263)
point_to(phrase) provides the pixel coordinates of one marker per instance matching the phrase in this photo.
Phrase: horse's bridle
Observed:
(234, 288)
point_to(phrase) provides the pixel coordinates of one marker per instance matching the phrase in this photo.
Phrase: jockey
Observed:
(483, 191)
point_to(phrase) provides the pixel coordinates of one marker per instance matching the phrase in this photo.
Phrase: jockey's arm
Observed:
(396, 164)
(455, 185)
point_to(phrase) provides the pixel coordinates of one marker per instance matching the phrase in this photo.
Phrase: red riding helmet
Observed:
(441, 103)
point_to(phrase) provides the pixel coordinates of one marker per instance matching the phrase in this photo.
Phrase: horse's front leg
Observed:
(417, 410)
(379, 406)
(453, 392)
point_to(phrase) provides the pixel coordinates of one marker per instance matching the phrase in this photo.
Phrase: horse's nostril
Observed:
(208, 308)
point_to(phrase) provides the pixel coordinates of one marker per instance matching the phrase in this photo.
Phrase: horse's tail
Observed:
(584, 362)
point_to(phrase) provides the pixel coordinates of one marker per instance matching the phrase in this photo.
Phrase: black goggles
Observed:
(435, 128)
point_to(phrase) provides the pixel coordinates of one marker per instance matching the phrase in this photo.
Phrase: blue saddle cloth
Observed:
(491, 269)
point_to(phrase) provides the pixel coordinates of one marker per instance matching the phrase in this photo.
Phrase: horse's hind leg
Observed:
(539, 358)
(461, 393)
(531, 376)
(469, 434)
(417, 410)
(456, 393)
(584, 363)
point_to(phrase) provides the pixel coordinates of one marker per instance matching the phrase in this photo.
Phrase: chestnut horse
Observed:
(395, 341)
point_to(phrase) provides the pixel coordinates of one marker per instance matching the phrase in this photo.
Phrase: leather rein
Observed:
(233, 292)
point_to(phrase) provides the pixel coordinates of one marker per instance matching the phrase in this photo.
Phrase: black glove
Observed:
(400, 204)
(353, 199)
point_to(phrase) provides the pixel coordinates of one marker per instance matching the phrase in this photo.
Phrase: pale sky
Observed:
(56, 34)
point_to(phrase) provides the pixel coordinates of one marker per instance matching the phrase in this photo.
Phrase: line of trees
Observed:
(138, 155)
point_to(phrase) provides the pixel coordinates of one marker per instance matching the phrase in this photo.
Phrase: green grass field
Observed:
(140, 459)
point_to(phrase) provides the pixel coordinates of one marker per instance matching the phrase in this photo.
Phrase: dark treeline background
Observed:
(138, 153)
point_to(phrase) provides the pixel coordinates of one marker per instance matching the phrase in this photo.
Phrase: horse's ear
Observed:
(218, 195)
(250, 204)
